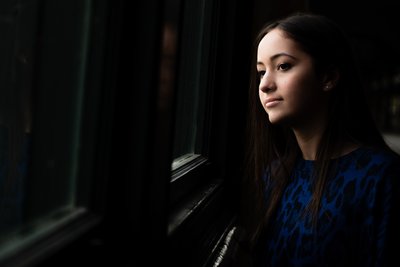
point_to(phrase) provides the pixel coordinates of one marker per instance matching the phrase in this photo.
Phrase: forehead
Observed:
(275, 42)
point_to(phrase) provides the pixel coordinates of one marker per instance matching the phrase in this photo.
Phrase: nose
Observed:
(267, 83)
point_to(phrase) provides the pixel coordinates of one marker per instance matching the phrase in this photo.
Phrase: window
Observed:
(206, 93)
(193, 76)
(194, 82)
(46, 154)
(103, 117)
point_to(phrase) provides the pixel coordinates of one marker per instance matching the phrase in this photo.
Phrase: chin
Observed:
(273, 119)
(276, 122)
(276, 119)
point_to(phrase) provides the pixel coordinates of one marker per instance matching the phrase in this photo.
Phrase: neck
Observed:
(308, 142)
(309, 133)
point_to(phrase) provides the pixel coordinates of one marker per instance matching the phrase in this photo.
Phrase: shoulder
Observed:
(378, 168)
(373, 160)
(368, 168)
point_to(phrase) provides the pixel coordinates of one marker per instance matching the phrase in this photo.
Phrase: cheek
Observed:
(261, 96)
(302, 92)
(304, 86)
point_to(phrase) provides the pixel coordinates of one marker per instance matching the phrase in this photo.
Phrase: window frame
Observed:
(204, 191)
(93, 163)
(134, 203)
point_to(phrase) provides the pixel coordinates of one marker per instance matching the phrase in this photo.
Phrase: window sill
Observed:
(182, 213)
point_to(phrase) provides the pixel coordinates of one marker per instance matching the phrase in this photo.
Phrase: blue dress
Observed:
(357, 224)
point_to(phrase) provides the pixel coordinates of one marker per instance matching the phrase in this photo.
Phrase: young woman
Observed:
(324, 186)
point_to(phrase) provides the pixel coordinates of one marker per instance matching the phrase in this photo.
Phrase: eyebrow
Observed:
(274, 57)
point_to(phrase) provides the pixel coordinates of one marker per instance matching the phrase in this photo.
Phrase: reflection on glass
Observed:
(194, 74)
(42, 77)
(16, 56)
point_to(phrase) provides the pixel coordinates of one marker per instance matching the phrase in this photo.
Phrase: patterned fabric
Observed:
(357, 224)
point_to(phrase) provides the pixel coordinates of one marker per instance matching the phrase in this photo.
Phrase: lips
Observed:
(273, 101)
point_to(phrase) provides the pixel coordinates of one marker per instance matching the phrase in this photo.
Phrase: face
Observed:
(289, 88)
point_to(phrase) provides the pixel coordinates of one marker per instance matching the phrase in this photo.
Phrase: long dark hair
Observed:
(273, 150)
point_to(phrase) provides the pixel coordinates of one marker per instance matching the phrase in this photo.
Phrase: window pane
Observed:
(193, 79)
(16, 54)
(42, 71)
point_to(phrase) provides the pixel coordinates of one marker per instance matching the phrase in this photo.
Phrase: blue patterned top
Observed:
(358, 221)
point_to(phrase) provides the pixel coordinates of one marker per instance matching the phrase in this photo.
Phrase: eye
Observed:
(260, 74)
(284, 66)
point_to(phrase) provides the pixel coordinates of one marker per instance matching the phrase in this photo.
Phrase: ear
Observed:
(330, 79)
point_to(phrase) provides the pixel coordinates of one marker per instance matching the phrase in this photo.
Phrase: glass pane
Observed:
(193, 78)
(42, 71)
(16, 54)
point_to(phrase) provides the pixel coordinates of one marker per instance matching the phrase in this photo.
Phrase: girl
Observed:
(323, 183)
